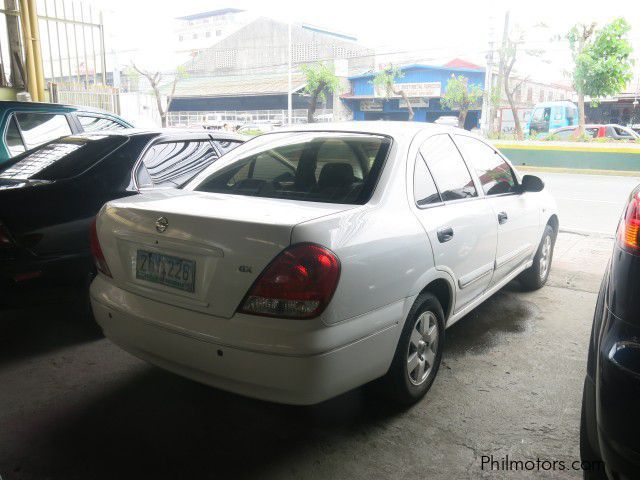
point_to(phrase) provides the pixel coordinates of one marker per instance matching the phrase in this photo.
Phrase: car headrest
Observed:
(335, 175)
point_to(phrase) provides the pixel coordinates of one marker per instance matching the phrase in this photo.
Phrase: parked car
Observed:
(612, 131)
(610, 417)
(309, 262)
(27, 125)
(548, 116)
(50, 195)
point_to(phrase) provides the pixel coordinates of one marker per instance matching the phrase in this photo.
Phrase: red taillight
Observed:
(299, 283)
(96, 252)
(6, 240)
(629, 226)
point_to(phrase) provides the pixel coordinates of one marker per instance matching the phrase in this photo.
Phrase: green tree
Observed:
(320, 82)
(603, 64)
(386, 81)
(461, 96)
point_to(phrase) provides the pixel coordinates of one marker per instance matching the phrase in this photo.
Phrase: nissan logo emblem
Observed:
(161, 224)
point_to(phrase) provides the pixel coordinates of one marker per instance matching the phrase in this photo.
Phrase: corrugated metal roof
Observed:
(212, 13)
(236, 85)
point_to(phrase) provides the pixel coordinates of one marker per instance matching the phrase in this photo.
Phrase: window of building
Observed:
(424, 188)
(39, 128)
(530, 94)
(541, 95)
(195, 36)
(304, 52)
(550, 96)
(225, 58)
(180, 38)
(496, 176)
(207, 34)
(448, 168)
(218, 33)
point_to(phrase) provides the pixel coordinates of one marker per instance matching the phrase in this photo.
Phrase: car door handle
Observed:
(445, 234)
(502, 217)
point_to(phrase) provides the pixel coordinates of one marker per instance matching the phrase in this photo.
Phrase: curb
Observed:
(585, 171)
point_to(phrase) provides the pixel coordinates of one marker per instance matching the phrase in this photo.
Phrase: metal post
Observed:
(290, 86)
(28, 46)
(37, 52)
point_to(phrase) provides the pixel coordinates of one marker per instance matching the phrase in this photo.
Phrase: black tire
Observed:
(399, 383)
(587, 452)
(536, 275)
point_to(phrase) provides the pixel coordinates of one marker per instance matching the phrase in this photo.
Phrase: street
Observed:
(589, 203)
(75, 406)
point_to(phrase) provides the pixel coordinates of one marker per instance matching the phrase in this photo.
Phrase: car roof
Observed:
(392, 128)
(52, 107)
(165, 132)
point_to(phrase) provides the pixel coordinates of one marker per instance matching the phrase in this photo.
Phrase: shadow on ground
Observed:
(153, 424)
(30, 331)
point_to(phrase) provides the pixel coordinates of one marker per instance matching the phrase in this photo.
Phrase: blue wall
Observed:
(362, 86)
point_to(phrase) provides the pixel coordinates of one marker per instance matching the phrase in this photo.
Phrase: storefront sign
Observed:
(371, 105)
(415, 103)
(415, 90)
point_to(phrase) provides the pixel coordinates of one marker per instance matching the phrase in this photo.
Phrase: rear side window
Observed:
(496, 176)
(312, 166)
(225, 146)
(63, 158)
(175, 163)
(94, 123)
(424, 188)
(13, 139)
(448, 169)
(39, 128)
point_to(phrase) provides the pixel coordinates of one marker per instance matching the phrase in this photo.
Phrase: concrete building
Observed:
(424, 85)
(197, 32)
(244, 76)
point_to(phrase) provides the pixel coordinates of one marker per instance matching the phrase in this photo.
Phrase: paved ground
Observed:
(73, 406)
(589, 203)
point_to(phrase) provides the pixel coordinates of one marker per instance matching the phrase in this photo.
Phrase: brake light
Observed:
(6, 240)
(629, 226)
(298, 283)
(96, 252)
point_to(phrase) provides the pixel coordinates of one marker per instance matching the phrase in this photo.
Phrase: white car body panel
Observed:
(388, 255)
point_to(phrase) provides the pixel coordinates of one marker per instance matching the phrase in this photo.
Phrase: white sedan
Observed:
(307, 262)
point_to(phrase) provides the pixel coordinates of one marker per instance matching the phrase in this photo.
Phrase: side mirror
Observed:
(531, 183)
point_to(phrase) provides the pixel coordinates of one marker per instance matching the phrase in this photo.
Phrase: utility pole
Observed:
(501, 65)
(290, 86)
(488, 73)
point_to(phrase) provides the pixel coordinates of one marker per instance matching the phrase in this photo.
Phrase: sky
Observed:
(424, 31)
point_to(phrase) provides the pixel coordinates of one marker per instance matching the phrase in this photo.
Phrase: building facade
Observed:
(197, 32)
(244, 77)
(424, 85)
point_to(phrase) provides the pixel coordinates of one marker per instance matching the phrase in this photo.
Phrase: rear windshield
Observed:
(311, 166)
(66, 157)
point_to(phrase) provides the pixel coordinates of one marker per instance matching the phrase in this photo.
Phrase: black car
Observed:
(50, 195)
(611, 397)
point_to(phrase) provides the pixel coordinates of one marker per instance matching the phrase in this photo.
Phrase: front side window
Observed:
(93, 124)
(448, 168)
(311, 166)
(39, 128)
(496, 176)
(175, 163)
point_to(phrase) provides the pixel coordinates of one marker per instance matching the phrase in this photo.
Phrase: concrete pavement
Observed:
(73, 406)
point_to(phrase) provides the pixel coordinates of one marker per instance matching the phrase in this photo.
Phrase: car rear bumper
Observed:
(143, 328)
(614, 397)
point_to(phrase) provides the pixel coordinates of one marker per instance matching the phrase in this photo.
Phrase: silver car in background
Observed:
(311, 261)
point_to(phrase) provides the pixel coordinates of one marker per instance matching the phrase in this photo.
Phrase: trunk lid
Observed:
(230, 238)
